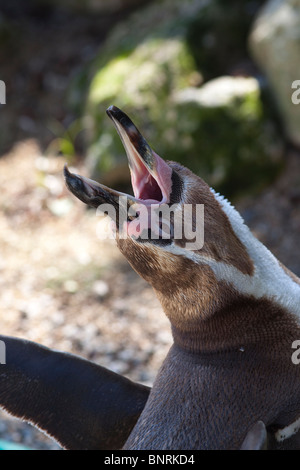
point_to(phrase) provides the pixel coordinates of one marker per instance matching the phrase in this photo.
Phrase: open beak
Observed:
(151, 176)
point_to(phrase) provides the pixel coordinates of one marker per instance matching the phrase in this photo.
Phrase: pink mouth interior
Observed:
(148, 188)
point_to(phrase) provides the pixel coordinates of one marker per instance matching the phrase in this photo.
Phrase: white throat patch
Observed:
(269, 279)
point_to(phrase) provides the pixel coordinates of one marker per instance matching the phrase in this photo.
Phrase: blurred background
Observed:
(209, 83)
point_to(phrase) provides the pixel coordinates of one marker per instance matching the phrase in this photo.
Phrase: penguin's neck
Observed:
(222, 319)
(270, 279)
(217, 307)
(243, 324)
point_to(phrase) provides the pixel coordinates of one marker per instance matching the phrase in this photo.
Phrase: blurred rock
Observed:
(60, 207)
(275, 45)
(147, 67)
(142, 84)
(100, 288)
(144, 60)
(226, 137)
(71, 286)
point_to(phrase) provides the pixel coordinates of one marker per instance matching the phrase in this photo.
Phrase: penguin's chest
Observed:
(205, 404)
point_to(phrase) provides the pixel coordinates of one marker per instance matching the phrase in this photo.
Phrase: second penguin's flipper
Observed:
(256, 438)
(80, 404)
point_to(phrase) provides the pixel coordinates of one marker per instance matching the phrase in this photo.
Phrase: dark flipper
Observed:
(78, 403)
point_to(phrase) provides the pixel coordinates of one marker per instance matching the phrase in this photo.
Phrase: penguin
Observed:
(229, 380)
(234, 309)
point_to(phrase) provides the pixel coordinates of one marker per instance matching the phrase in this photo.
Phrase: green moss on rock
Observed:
(220, 129)
(229, 140)
(142, 83)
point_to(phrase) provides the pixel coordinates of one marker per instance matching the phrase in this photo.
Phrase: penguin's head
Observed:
(172, 225)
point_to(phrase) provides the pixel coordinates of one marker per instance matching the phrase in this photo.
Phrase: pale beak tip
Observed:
(66, 171)
(112, 111)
